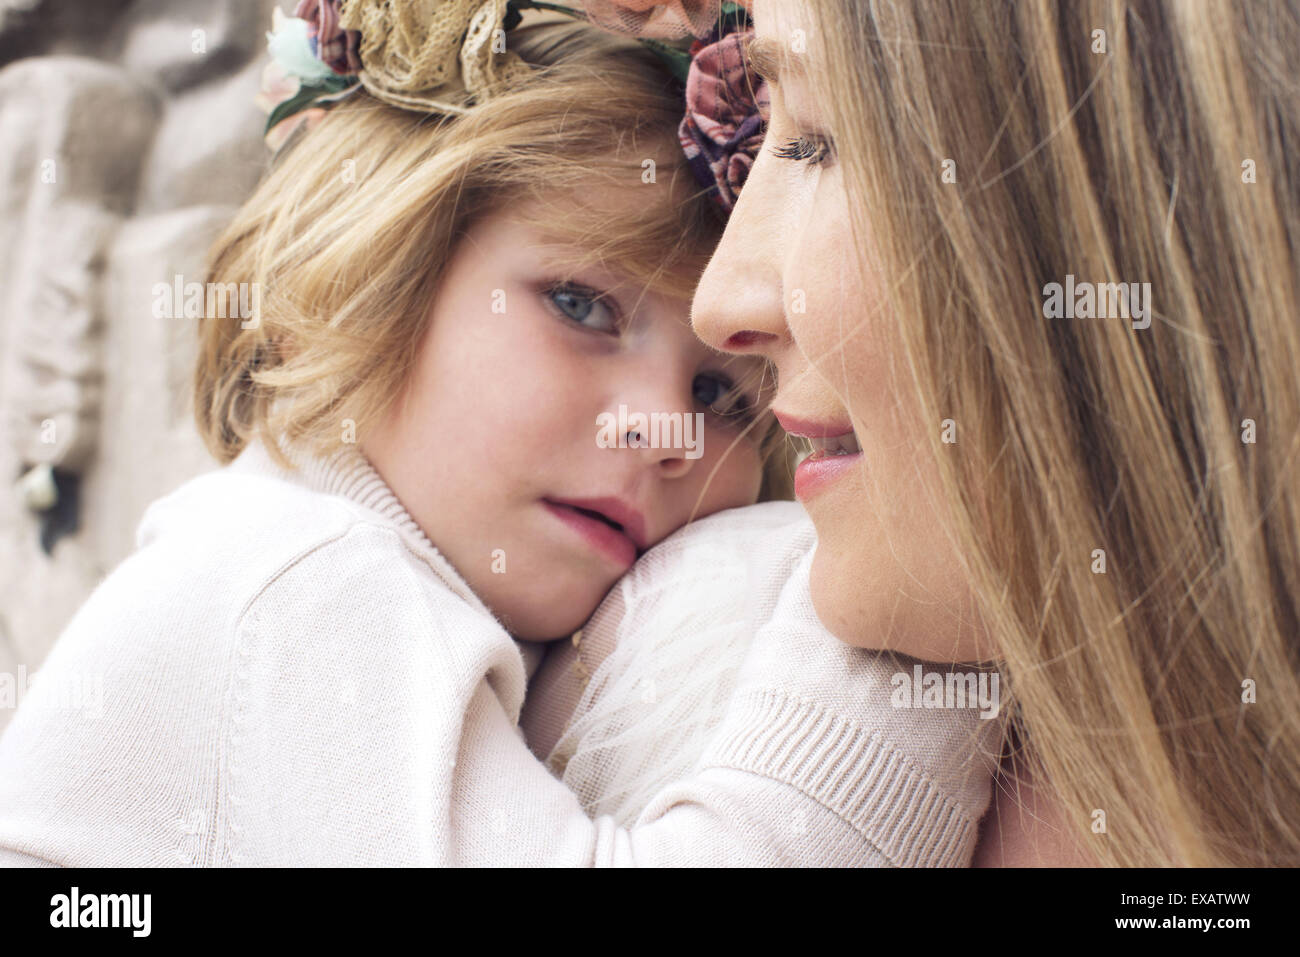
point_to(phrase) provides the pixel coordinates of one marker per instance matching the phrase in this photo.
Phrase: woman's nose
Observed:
(738, 305)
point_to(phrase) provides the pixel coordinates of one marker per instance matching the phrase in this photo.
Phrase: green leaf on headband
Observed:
(308, 94)
(514, 6)
(733, 16)
(676, 59)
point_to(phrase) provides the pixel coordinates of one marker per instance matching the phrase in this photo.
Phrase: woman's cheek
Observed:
(844, 325)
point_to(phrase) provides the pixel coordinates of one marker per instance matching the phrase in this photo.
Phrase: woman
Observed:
(1101, 495)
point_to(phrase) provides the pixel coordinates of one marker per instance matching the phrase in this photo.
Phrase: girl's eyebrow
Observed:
(566, 259)
(768, 58)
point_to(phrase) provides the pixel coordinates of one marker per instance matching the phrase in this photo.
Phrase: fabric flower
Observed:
(433, 55)
(290, 43)
(726, 105)
(337, 48)
(279, 86)
(279, 134)
(295, 84)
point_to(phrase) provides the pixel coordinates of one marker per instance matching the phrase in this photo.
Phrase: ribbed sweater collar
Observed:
(348, 474)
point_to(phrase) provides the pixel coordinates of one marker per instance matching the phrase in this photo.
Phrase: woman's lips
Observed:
(609, 541)
(821, 469)
(836, 451)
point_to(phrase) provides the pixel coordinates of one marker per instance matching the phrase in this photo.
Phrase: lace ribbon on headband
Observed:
(434, 55)
(443, 56)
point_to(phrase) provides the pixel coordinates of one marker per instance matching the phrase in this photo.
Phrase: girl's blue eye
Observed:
(723, 398)
(584, 306)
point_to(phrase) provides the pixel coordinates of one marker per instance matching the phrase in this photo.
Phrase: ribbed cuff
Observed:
(853, 772)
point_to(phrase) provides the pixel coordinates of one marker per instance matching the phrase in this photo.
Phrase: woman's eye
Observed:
(806, 149)
(723, 398)
(584, 306)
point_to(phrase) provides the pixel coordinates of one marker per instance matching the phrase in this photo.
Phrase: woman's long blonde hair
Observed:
(347, 237)
(1162, 693)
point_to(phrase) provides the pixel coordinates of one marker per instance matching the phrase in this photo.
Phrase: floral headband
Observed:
(447, 55)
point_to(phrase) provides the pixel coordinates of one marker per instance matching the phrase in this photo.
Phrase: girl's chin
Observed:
(560, 614)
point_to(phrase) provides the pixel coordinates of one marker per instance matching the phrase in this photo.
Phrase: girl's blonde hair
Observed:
(1162, 693)
(347, 237)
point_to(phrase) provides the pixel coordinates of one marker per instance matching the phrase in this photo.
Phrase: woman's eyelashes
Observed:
(812, 149)
(583, 306)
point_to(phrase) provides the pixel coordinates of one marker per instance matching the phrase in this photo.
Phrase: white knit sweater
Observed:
(293, 675)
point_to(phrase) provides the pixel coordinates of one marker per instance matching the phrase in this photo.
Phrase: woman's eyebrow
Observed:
(767, 57)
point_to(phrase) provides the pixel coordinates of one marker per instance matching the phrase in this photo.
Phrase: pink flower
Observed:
(665, 19)
(280, 133)
(337, 48)
(279, 85)
(726, 106)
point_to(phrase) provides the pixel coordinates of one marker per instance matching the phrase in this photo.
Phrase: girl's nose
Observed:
(674, 462)
(657, 418)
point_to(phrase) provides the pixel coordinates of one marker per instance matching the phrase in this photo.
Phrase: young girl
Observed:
(312, 656)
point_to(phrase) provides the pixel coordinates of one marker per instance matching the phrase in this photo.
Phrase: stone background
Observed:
(154, 141)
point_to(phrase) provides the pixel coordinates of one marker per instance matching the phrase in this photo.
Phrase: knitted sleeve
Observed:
(391, 737)
(373, 720)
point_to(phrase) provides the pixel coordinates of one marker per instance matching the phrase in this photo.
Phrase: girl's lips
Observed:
(609, 541)
(820, 470)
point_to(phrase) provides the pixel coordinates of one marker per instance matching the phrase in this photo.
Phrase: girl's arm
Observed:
(415, 755)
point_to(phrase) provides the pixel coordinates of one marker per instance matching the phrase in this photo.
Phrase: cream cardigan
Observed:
(293, 675)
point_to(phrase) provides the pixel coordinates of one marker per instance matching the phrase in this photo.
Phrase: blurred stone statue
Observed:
(128, 136)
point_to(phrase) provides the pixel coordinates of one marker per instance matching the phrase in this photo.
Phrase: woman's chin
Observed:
(869, 602)
(838, 598)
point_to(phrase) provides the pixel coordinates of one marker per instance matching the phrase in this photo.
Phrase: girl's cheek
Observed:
(737, 481)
